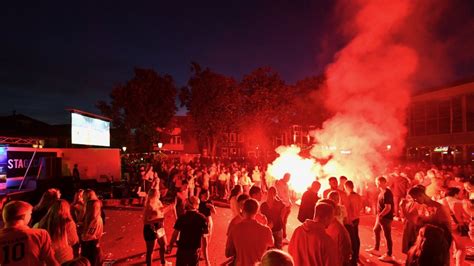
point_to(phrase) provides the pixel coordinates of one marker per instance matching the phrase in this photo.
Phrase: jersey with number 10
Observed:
(24, 246)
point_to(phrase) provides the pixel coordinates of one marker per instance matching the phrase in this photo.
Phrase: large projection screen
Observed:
(86, 130)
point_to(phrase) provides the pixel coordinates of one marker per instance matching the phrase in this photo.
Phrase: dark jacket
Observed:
(308, 201)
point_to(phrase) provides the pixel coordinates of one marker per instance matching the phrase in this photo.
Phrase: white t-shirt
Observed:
(245, 180)
(256, 175)
(223, 177)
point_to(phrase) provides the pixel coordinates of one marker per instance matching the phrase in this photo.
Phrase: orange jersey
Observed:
(25, 246)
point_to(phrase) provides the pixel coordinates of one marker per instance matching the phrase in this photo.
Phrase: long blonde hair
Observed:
(56, 220)
(47, 199)
(89, 194)
(78, 197)
(78, 206)
(92, 212)
(152, 199)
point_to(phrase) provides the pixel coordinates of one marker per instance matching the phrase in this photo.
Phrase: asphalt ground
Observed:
(123, 244)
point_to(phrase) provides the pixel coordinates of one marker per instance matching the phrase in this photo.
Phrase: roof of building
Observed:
(19, 125)
(446, 92)
(444, 86)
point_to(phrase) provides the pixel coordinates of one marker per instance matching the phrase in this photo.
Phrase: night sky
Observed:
(56, 55)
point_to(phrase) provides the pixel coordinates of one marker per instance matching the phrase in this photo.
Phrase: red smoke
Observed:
(368, 88)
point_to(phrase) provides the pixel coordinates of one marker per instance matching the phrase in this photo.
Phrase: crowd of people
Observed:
(427, 199)
(54, 231)
(434, 204)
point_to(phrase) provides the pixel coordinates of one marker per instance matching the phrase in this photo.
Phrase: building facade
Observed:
(178, 139)
(237, 145)
(441, 125)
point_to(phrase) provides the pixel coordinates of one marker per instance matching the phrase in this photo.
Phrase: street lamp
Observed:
(124, 149)
(160, 145)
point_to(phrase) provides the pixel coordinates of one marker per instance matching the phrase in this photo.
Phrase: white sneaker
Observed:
(386, 258)
(373, 251)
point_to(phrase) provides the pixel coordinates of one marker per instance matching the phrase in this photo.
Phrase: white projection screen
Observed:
(86, 130)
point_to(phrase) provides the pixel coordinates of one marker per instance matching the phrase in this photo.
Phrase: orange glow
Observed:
(303, 171)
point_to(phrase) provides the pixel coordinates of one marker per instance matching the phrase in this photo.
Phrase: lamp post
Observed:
(160, 145)
(124, 149)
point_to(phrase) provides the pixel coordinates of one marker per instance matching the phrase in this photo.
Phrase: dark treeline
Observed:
(258, 106)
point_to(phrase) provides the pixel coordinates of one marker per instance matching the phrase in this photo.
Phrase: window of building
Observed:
(285, 139)
(432, 118)
(240, 138)
(418, 121)
(175, 140)
(297, 137)
(233, 151)
(232, 137)
(456, 109)
(444, 117)
(297, 128)
(224, 152)
(225, 137)
(278, 141)
(470, 112)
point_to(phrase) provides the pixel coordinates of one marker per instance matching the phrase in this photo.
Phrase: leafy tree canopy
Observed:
(306, 107)
(266, 98)
(143, 104)
(213, 101)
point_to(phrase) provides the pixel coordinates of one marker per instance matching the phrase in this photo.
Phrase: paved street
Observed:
(124, 245)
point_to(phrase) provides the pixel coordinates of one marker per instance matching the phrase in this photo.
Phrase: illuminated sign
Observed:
(441, 149)
(346, 152)
(18, 161)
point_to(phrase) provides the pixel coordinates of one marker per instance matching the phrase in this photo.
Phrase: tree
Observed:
(307, 104)
(266, 105)
(141, 106)
(213, 102)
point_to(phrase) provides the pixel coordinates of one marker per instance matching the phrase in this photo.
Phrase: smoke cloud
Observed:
(367, 91)
(392, 48)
